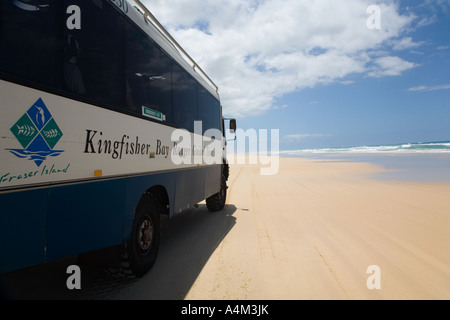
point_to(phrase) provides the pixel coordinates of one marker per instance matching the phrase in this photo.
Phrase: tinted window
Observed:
(89, 50)
(148, 75)
(28, 40)
(205, 109)
(93, 60)
(184, 99)
(217, 115)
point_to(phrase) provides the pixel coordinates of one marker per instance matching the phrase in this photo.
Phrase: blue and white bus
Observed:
(91, 94)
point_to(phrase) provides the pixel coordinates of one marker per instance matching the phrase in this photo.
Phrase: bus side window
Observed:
(185, 98)
(205, 109)
(217, 119)
(93, 64)
(148, 73)
(28, 40)
(73, 78)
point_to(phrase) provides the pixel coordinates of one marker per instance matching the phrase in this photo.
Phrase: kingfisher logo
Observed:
(38, 134)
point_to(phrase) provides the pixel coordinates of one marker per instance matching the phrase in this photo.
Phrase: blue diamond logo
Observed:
(38, 133)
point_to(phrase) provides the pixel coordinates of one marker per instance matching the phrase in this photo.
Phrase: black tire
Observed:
(143, 247)
(217, 201)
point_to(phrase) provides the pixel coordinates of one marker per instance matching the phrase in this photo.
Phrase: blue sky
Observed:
(316, 72)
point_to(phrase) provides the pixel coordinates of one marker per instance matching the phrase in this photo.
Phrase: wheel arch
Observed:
(160, 196)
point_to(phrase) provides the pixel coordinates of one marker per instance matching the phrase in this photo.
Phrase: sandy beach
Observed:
(312, 231)
(309, 232)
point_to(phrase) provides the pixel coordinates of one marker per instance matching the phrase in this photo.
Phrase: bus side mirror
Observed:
(233, 125)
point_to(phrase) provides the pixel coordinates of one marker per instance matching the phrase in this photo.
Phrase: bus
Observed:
(104, 125)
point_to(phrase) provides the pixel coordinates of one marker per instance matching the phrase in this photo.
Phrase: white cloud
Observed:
(259, 50)
(302, 136)
(390, 66)
(430, 88)
(406, 43)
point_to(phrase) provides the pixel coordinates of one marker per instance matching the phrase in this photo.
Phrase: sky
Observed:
(325, 73)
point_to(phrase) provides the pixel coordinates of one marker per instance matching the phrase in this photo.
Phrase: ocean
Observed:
(421, 161)
(417, 147)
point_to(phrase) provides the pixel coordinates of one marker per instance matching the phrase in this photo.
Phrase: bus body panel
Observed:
(91, 218)
(89, 140)
(96, 215)
(193, 186)
(23, 217)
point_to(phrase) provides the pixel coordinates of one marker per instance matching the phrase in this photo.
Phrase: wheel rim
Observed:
(145, 235)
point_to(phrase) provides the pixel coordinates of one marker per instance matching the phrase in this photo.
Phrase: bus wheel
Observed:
(217, 201)
(143, 246)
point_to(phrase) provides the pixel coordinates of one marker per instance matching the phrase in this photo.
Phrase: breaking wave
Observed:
(419, 147)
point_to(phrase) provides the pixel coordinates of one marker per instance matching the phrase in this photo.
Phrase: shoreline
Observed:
(419, 167)
(404, 166)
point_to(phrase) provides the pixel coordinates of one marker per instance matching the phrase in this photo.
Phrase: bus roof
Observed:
(143, 18)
